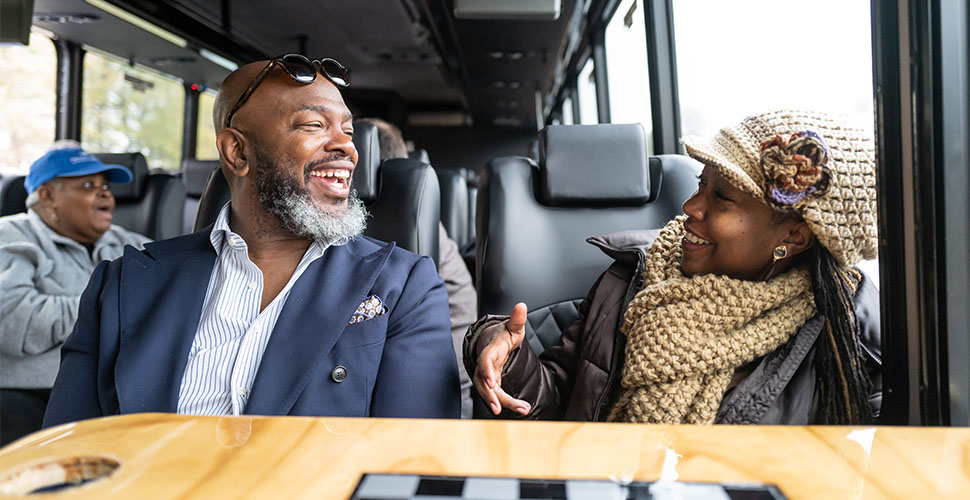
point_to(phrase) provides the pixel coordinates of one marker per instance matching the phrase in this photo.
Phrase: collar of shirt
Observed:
(222, 235)
(42, 228)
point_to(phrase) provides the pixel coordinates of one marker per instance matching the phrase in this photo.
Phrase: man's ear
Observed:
(799, 238)
(232, 147)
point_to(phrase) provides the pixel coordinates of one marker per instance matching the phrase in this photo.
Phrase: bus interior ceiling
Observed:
(463, 89)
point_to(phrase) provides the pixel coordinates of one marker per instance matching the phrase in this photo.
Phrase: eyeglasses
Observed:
(302, 70)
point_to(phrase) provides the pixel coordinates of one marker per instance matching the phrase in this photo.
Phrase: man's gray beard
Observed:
(281, 195)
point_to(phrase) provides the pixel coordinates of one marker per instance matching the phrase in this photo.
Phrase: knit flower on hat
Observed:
(794, 168)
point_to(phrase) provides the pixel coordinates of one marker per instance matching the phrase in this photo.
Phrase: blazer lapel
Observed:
(161, 297)
(316, 312)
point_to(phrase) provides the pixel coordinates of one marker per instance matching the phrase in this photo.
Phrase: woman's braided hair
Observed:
(843, 382)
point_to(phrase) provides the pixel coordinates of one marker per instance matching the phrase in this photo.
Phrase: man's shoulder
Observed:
(365, 246)
(179, 244)
(119, 235)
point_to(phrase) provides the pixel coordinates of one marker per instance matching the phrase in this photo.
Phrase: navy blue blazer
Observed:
(139, 315)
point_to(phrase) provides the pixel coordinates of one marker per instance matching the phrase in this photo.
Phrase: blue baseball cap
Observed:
(71, 162)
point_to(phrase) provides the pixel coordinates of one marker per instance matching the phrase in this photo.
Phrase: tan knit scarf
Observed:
(686, 336)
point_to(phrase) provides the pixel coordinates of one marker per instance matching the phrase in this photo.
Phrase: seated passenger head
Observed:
(772, 187)
(68, 189)
(390, 139)
(284, 136)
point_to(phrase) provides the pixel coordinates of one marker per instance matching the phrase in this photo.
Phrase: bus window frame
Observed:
(922, 122)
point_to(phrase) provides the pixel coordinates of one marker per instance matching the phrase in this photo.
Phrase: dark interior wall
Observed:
(469, 147)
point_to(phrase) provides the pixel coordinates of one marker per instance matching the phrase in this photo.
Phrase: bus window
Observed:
(626, 60)
(586, 94)
(567, 111)
(733, 62)
(205, 148)
(27, 92)
(128, 109)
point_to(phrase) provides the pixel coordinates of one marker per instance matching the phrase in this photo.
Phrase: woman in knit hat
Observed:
(746, 309)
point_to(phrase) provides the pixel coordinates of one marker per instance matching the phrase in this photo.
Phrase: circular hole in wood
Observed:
(57, 475)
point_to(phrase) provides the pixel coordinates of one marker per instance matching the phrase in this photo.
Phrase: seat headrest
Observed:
(471, 177)
(368, 161)
(195, 173)
(136, 163)
(593, 165)
(421, 155)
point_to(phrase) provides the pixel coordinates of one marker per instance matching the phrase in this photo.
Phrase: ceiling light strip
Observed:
(217, 59)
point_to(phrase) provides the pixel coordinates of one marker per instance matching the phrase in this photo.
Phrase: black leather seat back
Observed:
(152, 204)
(471, 179)
(534, 219)
(454, 204)
(13, 195)
(420, 155)
(407, 208)
(401, 196)
(195, 174)
(214, 196)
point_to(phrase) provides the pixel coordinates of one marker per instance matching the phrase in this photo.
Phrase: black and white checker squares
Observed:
(415, 487)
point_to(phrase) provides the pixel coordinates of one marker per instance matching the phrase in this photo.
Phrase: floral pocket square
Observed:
(370, 308)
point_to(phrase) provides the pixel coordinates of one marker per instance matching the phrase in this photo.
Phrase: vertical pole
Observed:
(600, 74)
(662, 64)
(70, 63)
(190, 122)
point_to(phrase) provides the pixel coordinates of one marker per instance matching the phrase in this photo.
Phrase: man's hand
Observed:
(502, 339)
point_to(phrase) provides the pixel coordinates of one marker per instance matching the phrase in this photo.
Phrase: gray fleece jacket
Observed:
(42, 275)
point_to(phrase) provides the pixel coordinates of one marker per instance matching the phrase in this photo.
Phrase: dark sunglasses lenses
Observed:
(336, 72)
(299, 68)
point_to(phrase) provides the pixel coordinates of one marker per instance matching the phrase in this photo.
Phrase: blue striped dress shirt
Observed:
(232, 333)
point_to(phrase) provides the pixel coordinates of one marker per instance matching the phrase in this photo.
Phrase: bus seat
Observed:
(534, 218)
(468, 248)
(454, 204)
(420, 155)
(13, 195)
(214, 196)
(401, 196)
(195, 173)
(152, 203)
(534, 150)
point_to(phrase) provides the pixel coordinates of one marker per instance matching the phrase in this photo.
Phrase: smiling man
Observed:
(280, 307)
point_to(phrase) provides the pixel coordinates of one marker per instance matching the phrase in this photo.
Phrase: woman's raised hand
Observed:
(501, 340)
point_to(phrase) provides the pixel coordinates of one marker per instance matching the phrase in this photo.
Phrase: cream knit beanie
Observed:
(810, 162)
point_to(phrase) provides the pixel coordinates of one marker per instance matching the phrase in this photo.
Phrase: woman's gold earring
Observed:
(780, 252)
(53, 219)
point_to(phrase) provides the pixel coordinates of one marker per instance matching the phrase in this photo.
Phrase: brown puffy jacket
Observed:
(579, 378)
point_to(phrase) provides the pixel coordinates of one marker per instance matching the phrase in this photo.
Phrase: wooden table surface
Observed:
(173, 456)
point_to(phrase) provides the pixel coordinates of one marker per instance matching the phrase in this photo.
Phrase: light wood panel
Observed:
(172, 456)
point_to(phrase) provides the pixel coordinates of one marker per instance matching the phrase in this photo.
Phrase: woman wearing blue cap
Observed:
(46, 258)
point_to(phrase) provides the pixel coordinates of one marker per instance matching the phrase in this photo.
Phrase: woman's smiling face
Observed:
(729, 232)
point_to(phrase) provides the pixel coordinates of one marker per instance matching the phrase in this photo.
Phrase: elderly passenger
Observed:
(46, 258)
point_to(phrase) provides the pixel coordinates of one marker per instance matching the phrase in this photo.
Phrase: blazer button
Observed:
(339, 374)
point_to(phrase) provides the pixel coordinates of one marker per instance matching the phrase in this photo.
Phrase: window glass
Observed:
(129, 109)
(27, 103)
(205, 147)
(626, 61)
(567, 111)
(586, 94)
(733, 62)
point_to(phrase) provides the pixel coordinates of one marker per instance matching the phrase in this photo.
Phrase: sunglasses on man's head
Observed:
(302, 70)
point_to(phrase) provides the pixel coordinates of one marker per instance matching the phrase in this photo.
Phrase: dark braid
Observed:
(843, 382)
